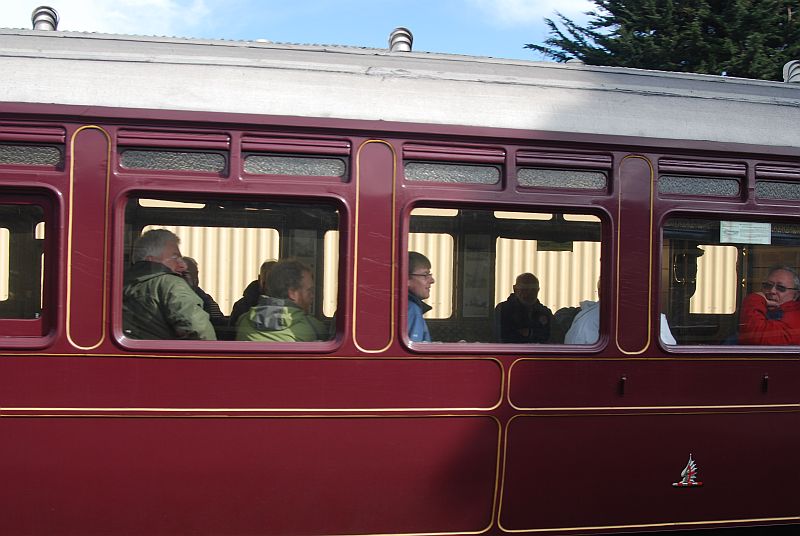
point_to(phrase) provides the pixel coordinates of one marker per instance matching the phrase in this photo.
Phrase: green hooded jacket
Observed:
(159, 304)
(280, 320)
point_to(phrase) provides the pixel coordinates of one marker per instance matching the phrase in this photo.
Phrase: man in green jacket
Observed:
(282, 316)
(157, 302)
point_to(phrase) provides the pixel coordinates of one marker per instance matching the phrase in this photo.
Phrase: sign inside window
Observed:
(740, 232)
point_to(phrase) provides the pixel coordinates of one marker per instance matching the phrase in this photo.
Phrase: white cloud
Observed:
(147, 17)
(526, 12)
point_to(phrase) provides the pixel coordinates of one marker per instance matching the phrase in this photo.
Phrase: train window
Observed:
(709, 272)
(173, 160)
(778, 190)
(723, 187)
(22, 267)
(230, 239)
(477, 256)
(30, 155)
(294, 165)
(561, 178)
(452, 173)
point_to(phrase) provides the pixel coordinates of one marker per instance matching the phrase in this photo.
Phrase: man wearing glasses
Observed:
(420, 280)
(772, 316)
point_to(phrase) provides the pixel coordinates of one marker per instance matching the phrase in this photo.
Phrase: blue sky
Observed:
(497, 28)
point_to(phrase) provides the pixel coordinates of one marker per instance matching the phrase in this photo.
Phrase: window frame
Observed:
(605, 221)
(232, 347)
(700, 350)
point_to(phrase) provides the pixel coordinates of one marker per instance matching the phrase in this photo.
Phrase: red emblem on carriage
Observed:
(688, 475)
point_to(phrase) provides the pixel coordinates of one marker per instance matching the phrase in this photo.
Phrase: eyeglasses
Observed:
(426, 275)
(769, 285)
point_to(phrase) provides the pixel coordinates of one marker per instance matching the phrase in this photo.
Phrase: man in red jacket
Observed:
(772, 316)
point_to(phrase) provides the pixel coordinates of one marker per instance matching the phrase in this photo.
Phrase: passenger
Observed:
(157, 303)
(218, 319)
(251, 294)
(283, 315)
(522, 318)
(772, 316)
(420, 280)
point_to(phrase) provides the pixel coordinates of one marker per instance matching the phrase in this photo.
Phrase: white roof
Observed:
(376, 84)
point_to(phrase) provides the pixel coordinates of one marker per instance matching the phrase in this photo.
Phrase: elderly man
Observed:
(157, 302)
(522, 317)
(420, 280)
(283, 315)
(772, 316)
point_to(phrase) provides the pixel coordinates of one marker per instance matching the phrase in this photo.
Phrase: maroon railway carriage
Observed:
(664, 422)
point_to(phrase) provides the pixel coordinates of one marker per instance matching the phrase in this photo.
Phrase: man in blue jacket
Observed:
(420, 280)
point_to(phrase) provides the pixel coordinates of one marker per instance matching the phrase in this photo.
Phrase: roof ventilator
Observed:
(400, 40)
(791, 72)
(44, 18)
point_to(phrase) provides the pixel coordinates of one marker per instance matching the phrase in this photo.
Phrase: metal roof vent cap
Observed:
(400, 40)
(791, 72)
(44, 18)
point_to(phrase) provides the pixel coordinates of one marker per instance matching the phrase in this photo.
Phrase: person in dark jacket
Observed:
(157, 302)
(522, 317)
(251, 294)
(210, 305)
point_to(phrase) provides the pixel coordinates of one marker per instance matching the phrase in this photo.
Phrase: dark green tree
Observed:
(745, 38)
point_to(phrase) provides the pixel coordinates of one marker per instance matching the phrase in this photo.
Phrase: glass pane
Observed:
(502, 214)
(712, 276)
(244, 250)
(5, 274)
(452, 173)
(21, 261)
(438, 248)
(566, 278)
(294, 165)
(716, 281)
(330, 284)
(161, 203)
(30, 155)
(669, 184)
(227, 241)
(562, 178)
(173, 161)
(778, 190)
(478, 256)
(439, 212)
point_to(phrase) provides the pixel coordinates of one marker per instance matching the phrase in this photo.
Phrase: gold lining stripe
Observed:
(394, 253)
(234, 357)
(104, 289)
(98, 411)
(654, 525)
(649, 261)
